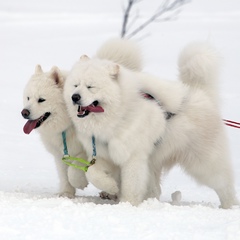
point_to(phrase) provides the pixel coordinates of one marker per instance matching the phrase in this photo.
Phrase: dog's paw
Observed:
(105, 195)
(66, 195)
(101, 180)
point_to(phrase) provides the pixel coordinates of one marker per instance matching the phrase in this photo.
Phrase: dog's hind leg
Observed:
(227, 197)
(216, 174)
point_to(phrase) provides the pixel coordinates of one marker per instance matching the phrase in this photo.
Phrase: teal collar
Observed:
(65, 149)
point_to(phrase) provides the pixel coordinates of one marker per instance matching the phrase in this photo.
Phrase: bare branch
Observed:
(166, 7)
(126, 16)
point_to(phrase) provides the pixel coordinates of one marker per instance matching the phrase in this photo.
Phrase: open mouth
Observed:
(32, 124)
(84, 111)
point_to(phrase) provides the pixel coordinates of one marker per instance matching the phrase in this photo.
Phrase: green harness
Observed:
(67, 159)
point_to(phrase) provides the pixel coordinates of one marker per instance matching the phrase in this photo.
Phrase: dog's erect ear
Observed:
(84, 58)
(38, 69)
(57, 76)
(114, 70)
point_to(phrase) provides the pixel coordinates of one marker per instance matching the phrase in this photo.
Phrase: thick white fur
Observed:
(49, 85)
(199, 64)
(134, 133)
(105, 174)
(117, 129)
(122, 51)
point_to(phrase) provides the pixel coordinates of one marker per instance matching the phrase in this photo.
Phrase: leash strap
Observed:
(168, 115)
(231, 123)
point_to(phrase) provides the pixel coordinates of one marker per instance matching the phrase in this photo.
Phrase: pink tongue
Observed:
(95, 108)
(90, 108)
(29, 126)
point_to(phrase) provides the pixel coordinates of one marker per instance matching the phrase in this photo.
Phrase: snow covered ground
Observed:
(57, 33)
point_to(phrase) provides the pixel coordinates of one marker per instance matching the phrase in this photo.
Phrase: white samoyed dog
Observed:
(142, 123)
(45, 110)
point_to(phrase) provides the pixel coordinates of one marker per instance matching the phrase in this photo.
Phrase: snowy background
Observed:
(58, 32)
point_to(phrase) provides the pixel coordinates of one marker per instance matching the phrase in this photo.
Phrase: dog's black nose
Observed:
(76, 97)
(25, 113)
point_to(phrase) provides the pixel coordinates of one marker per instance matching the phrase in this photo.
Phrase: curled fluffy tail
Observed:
(124, 52)
(199, 64)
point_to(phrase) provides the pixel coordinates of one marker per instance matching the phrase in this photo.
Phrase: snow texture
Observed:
(58, 33)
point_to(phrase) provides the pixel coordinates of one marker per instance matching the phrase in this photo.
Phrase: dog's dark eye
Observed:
(88, 87)
(28, 98)
(41, 100)
(75, 85)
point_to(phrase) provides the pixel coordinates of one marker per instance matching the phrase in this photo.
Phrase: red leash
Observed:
(231, 123)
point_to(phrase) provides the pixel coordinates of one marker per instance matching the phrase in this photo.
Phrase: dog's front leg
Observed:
(134, 179)
(66, 190)
(102, 175)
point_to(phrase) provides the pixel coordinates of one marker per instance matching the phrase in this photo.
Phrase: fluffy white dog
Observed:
(141, 123)
(45, 110)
